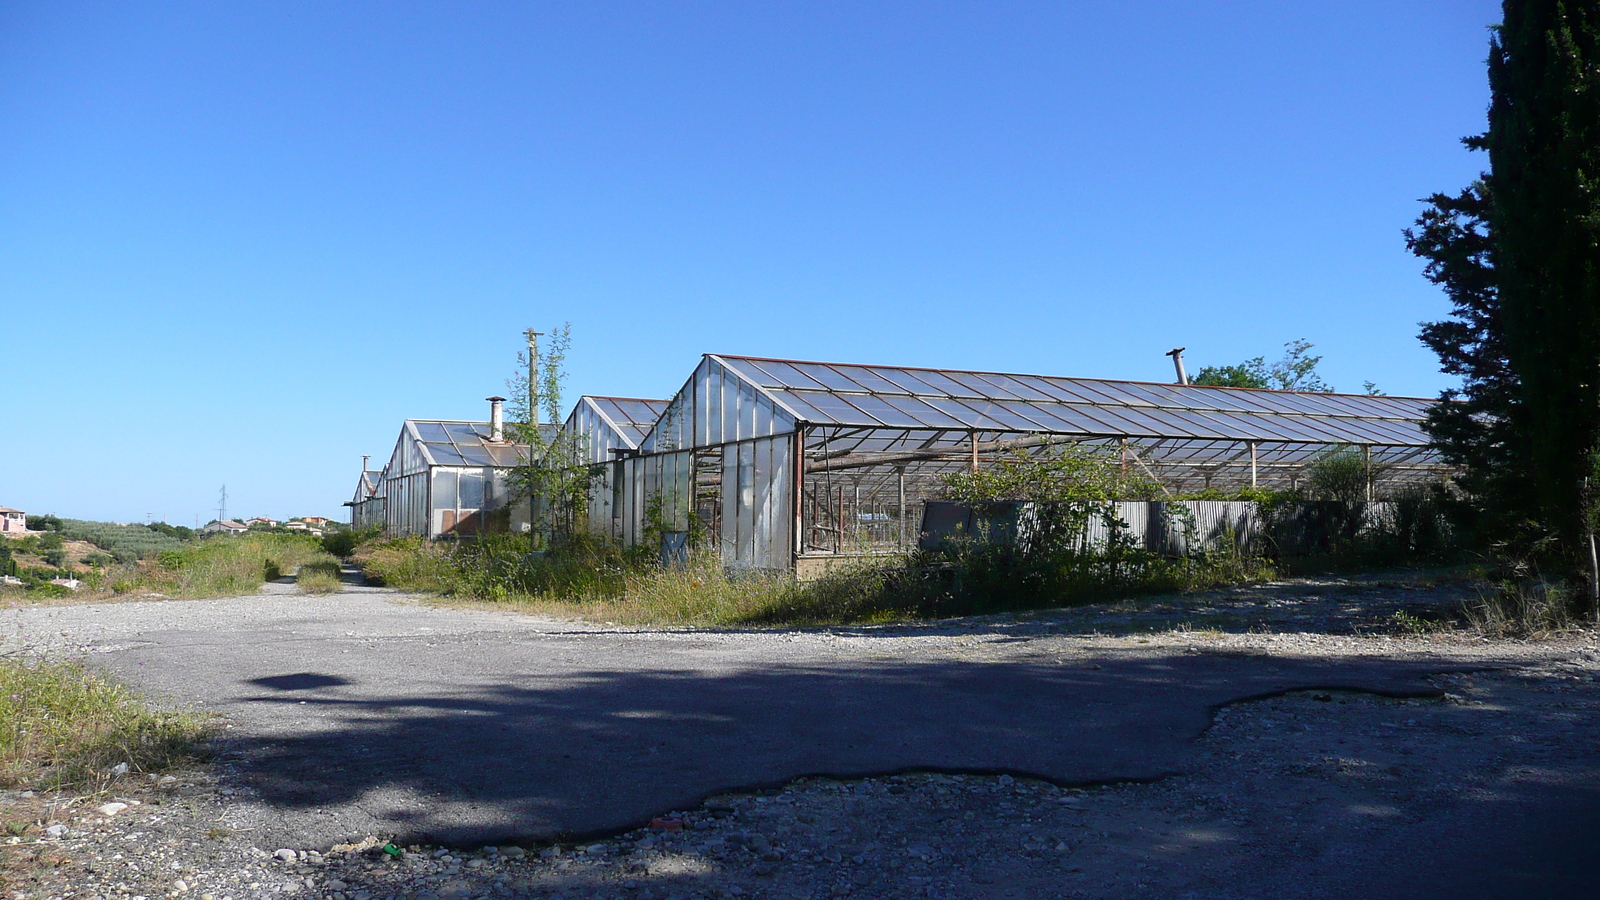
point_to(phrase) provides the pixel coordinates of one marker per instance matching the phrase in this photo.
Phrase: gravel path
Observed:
(1486, 788)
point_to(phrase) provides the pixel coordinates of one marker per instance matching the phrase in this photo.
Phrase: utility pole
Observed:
(533, 433)
(222, 506)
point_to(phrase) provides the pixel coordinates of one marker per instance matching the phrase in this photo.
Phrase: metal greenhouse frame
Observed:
(792, 465)
(608, 428)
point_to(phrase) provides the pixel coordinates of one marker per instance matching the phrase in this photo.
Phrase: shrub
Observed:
(343, 543)
(63, 725)
(408, 564)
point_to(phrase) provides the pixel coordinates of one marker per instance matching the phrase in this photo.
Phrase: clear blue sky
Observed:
(240, 243)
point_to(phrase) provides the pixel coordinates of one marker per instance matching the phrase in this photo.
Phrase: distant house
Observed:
(317, 521)
(13, 521)
(226, 526)
(262, 521)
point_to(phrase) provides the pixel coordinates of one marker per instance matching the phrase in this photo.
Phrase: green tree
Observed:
(554, 477)
(1518, 253)
(1297, 371)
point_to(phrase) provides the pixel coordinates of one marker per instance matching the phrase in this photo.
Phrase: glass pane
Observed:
(942, 385)
(879, 409)
(982, 387)
(1043, 415)
(779, 374)
(839, 408)
(967, 415)
(807, 413)
(924, 413)
(471, 490)
(445, 455)
(829, 378)
(1026, 388)
(870, 379)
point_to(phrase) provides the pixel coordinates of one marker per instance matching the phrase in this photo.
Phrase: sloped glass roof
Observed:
(446, 443)
(633, 418)
(909, 398)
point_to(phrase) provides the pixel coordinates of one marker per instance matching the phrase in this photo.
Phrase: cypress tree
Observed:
(1519, 254)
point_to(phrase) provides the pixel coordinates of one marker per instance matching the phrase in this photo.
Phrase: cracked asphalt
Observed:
(369, 713)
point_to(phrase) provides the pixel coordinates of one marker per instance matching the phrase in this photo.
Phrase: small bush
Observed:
(407, 564)
(343, 543)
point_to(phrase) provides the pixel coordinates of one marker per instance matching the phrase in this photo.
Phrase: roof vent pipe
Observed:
(497, 419)
(1177, 363)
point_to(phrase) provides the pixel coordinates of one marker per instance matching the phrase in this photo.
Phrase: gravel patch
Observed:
(1308, 794)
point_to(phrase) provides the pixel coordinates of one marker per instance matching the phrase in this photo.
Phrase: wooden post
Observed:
(974, 451)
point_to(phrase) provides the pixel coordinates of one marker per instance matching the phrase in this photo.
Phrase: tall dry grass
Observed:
(229, 565)
(64, 725)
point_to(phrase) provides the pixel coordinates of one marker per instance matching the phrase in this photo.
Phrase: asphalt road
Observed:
(364, 713)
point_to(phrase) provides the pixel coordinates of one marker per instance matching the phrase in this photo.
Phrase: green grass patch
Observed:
(229, 565)
(589, 578)
(318, 577)
(65, 726)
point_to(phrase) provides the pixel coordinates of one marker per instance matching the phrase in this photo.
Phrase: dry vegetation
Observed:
(220, 566)
(67, 728)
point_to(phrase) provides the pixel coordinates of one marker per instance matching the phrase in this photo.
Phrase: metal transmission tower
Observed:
(222, 506)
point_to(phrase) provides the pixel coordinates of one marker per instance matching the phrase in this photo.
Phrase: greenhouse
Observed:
(452, 478)
(604, 430)
(366, 507)
(792, 465)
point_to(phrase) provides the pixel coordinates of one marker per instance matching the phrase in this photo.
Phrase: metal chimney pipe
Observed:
(1177, 362)
(497, 419)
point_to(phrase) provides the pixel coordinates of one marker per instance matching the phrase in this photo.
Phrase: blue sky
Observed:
(240, 243)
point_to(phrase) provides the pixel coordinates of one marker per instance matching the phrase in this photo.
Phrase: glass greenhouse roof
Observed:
(902, 398)
(463, 444)
(632, 418)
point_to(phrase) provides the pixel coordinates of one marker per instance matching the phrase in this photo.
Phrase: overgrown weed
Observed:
(594, 579)
(1529, 608)
(231, 565)
(66, 726)
(320, 576)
